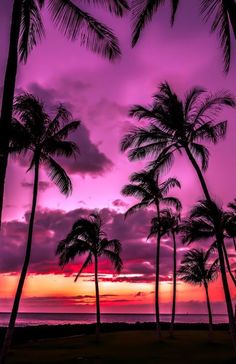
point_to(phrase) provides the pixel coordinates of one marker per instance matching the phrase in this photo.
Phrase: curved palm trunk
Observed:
(227, 264)
(97, 300)
(157, 308)
(174, 286)
(8, 96)
(11, 326)
(210, 334)
(220, 242)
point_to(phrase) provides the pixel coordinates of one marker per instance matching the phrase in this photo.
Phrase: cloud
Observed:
(90, 161)
(42, 185)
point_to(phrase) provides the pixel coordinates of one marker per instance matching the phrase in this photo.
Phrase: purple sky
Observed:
(100, 94)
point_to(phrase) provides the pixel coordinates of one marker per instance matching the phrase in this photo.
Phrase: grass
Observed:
(188, 347)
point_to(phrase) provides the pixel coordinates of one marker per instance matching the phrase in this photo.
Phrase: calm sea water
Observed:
(35, 319)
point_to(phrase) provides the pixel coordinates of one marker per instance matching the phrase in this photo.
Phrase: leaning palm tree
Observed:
(223, 16)
(87, 237)
(169, 225)
(146, 186)
(27, 30)
(181, 126)
(197, 270)
(143, 12)
(36, 134)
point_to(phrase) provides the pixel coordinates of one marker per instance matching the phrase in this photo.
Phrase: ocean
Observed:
(35, 319)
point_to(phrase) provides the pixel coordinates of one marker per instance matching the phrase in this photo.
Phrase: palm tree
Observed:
(27, 30)
(180, 126)
(197, 270)
(169, 225)
(145, 185)
(35, 133)
(207, 221)
(87, 237)
(143, 11)
(223, 15)
(201, 226)
(231, 222)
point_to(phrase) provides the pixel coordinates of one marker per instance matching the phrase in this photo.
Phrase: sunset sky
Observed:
(100, 94)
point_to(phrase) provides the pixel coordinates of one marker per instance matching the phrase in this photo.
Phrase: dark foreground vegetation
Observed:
(121, 343)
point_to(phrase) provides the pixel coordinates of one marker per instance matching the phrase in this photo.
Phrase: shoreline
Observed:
(34, 333)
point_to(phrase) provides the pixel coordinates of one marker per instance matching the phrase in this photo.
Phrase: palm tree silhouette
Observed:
(201, 225)
(169, 225)
(145, 185)
(87, 237)
(176, 125)
(197, 270)
(143, 11)
(223, 16)
(231, 222)
(43, 138)
(27, 30)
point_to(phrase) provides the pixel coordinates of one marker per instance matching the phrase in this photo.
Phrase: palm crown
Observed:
(146, 187)
(87, 237)
(167, 224)
(73, 22)
(201, 223)
(175, 125)
(196, 269)
(34, 131)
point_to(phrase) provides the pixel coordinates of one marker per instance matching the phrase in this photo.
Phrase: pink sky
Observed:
(100, 94)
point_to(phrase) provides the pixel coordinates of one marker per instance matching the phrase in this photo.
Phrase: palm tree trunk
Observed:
(97, 300)
(11, 326)
(210, 334)
(8, 96)
(220, 242)
(157, 308)
(227, 264)
(174, 287)
(234, 243)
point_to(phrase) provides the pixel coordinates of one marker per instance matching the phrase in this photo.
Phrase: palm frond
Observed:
(74, 23)
(31, 29)
(114, 258)
(58, 175)
(117, 7)
(142, 13)
(88, 261)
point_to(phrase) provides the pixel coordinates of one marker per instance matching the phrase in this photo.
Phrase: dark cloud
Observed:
(90, 161)
(42, 185)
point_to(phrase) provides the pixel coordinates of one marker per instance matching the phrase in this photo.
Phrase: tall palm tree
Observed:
(87, 237)
(197, 270)
(146, 186)
(27, 30)
(169, 225)
(36, 134)
(143, 11)
(180, 126)
(223, 16)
